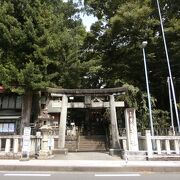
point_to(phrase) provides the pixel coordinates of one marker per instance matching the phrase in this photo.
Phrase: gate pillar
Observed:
(114, 127)
(62, 126)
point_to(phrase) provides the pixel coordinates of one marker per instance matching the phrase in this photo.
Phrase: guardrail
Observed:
(155, 146)
(161, 146)
(12, 145)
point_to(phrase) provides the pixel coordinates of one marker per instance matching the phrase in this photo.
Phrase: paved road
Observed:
(87, 176)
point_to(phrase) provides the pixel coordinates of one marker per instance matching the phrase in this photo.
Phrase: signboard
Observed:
(26, 142)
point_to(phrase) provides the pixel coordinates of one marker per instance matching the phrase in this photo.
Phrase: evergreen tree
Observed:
(38, 47)
(123, 25)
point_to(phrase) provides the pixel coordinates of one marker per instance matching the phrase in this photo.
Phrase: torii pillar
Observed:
(115, 145)
(62, 126)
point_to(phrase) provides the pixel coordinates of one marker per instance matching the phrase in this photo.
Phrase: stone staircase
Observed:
(92, 143)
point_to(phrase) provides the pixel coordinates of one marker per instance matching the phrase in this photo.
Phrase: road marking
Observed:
(116, 175)
(42, 175)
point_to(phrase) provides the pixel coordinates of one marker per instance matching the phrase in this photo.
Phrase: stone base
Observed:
(134, 155)
(60, 151)
(45, 157)
(24, 159)
(165, 157)
(25, 156)
(10, 155)
(114, 152)
(45, 154)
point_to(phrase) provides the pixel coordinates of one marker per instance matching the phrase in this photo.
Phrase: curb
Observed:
(89, 168)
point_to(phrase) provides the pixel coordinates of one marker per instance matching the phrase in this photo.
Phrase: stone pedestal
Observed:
(45, 151)
(60, 151)
(134, 155)
(132, 151)
(113, 152)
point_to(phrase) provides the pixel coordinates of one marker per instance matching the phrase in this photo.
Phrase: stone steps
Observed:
(92, 143)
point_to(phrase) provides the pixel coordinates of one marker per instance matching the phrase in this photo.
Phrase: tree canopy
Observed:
(116, 40)
(43, 43)
(39, 47)
(39, 44)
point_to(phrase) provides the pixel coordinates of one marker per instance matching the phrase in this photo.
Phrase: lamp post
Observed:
(144, 44)
(169, 68)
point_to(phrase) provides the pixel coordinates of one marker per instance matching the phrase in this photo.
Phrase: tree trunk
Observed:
(26, 110)
(36, 106)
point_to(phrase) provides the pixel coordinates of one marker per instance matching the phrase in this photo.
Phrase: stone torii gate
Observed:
(88, 103)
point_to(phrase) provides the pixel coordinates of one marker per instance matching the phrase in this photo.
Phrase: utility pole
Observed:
(169, 68)
(170, 103)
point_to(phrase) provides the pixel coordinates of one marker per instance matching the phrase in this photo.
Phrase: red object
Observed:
(2, 89)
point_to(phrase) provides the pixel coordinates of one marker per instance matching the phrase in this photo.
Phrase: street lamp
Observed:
(144, 44)
(169, 67)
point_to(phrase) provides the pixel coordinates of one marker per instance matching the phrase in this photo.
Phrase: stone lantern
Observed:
(44, 118)
(47, 143)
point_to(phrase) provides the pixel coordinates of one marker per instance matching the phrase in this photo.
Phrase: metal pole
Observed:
(169, 68)
(148, 93)
(170, 103)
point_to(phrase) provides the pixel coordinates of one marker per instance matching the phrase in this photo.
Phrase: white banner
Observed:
(26, 141)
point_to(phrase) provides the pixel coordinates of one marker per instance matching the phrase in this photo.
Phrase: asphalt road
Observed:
(87, 176)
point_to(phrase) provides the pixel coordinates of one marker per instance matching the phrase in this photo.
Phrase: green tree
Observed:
(38, 47)
(123, 27)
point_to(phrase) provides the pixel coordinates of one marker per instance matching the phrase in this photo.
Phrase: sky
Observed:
(87, 20)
